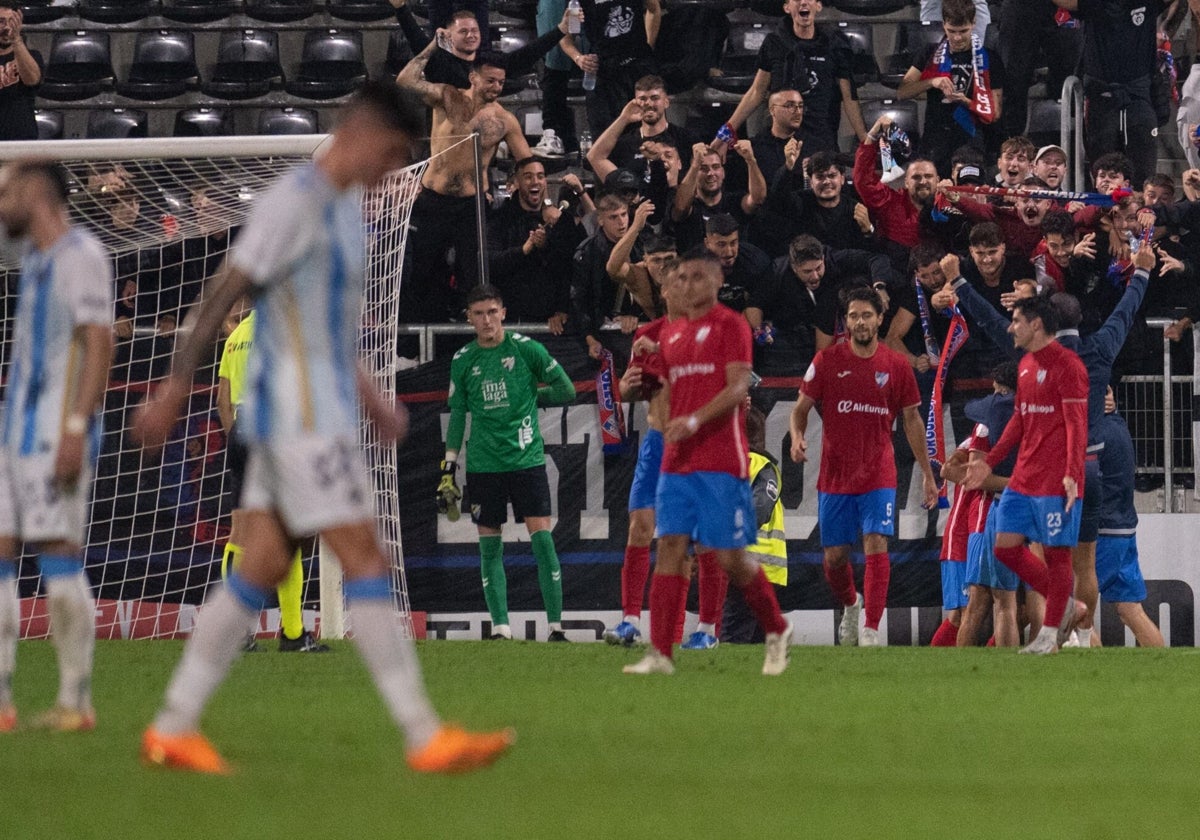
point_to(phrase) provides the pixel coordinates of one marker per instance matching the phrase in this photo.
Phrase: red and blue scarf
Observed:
(983, 103)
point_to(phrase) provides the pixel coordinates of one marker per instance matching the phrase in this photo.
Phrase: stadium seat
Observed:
(43, 11)
(363, 11)
(247, 65)
(862, 45)
(117, 11)
(1044, 127)
(287, 121)
(79, 66)
(910, 37)
(739, 63)
(200, 11)
(117, 124)
(724, 6)
(522, 10)
(767, 8)
(49, 124)
(204, 122)
(280, 11)
(399, 53)
(164, 65)
(902, 112)
(871, 7)
(331, 65)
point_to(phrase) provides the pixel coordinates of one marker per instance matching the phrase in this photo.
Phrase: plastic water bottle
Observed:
(576, 16)
(585, 143)
(589, 80)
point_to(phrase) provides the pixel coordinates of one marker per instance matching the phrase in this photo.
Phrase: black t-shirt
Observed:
(1014, 268)
(1120, 40)
(626, 153)
(962, 73)
(750, 270)
(616, 29)
(813, 67)
(17, 100)
(689, 231)
(788, 304)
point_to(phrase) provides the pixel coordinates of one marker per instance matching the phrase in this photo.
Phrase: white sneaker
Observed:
(1041, 645)
(550, 146)
(848, 629)
(777, 644)
(1072, 641)
(869, 637)
(1071, 615)
(652, 663)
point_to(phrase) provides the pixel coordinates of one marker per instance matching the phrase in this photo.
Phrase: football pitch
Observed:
(898, 742)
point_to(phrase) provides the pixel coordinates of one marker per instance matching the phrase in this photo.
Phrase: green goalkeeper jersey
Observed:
(500, 387)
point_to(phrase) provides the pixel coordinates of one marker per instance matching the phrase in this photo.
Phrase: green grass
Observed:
(848, 743)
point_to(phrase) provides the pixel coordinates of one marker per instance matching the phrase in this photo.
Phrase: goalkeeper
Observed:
(499, 378)
(293, 638)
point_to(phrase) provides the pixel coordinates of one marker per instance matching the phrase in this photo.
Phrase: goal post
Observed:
(166, 210)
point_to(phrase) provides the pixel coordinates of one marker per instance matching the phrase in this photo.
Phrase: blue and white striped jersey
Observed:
(303, 248)
(65, 287)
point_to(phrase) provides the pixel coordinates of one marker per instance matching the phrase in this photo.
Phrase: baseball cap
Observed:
(621, 180)
(969, 173)
(1046, 149)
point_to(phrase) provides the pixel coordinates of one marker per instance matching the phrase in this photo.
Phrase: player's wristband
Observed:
(692, 423)
(75, 424)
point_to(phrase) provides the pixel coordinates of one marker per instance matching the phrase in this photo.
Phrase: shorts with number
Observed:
(1039, 518)
(487, 495)
(983, 569)
(313, 482)
(1093, 496)
(954, 584)
(714, 508)
(843, 516)
(644, 490)
(1118, 571)
(33, 508)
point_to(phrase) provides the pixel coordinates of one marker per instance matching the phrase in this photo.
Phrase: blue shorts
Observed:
(645, 475)
(954, 584)
(713, 508)
(983, 569)
(844, 516)
(1093, 496)
(1118, 571)
(1039, 518)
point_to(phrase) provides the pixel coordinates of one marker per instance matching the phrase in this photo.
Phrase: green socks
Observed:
(549, 574)
(495, 585)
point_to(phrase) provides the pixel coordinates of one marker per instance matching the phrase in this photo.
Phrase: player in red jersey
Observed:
(861, 386)
(1049, 427)
(953, 555)
(704, 491)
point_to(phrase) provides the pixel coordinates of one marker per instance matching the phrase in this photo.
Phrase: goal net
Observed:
(166, 210)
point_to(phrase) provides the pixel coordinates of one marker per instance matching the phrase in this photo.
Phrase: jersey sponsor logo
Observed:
(702, 333)
(1034, 408)
(1041, 376)
(852, 407)
(525, 433)
(842, 374)
(495, 394)
(509, 362)
(693, 369)
(1138, 15)
(881, 378)
(1024, 372)
(475, 370)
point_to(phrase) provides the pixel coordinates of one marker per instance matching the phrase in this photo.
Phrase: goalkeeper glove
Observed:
(448, 493)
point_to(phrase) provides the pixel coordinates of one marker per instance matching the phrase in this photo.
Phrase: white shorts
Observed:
(313, 482)
(33, 508)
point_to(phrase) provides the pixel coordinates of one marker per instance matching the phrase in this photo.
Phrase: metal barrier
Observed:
(1071, 120)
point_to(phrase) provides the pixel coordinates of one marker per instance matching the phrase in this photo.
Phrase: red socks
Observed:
(713, 584)
(946, 635)
(1061, 582)
(841, 581)
(681, 609)
(667, 601)
(634, 572)
(1027, 566)
(875, 588)
(761, 600)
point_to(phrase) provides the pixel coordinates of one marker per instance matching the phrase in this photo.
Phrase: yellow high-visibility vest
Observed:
(771, 548)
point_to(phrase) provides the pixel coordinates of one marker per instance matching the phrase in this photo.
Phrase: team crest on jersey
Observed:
(881, 378)
(1041, 376)
(1138, 15)
(702, 333)
(508, 362)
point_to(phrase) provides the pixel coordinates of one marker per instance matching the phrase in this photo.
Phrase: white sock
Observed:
(502, 630)
(706, 627)
(10, 628)
(635, 620)
(73, 629)
(1048, 633)
(555, 625)
(218, 638)
(1084, 634)
(392, 661)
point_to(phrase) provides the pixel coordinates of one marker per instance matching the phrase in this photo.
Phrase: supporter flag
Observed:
(608, 401)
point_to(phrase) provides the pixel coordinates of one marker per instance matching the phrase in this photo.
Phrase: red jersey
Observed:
(653, 372)
(954, 538)
(859, 400)
(1049, 422)
(695, 353)
(979, 513)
